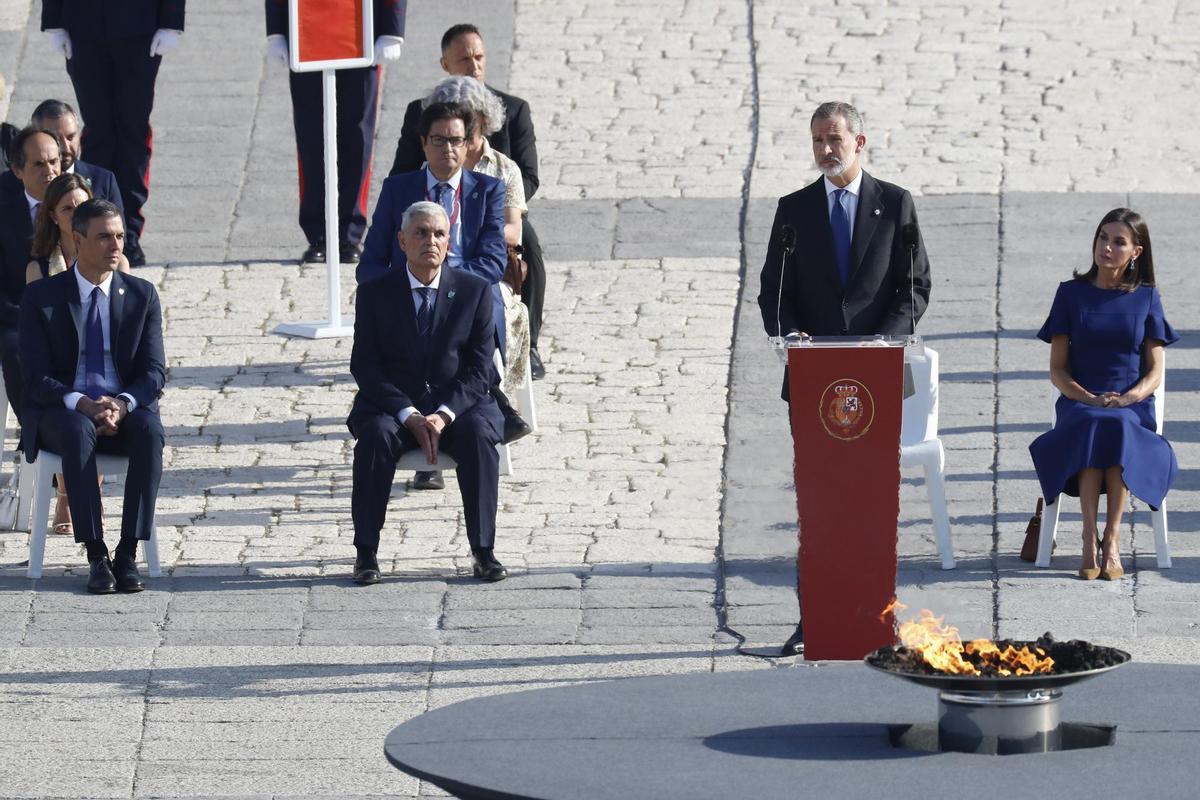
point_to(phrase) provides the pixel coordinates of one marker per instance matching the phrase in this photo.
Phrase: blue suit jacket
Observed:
(104, 183)
(51, 334)
(16, 232)
(482, 218)
(391, 368)
(112, 19)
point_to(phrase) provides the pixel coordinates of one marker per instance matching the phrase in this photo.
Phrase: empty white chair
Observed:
(45, 467)
(920, 445)
(1158, 519)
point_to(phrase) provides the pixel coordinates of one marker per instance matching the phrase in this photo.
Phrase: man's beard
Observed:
(831, 170)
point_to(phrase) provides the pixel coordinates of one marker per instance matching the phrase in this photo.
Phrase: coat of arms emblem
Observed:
(847, 409)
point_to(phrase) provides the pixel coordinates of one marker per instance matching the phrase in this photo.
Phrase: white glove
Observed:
(60, 42)
(387, 48)
(165, 40)
(277, 49)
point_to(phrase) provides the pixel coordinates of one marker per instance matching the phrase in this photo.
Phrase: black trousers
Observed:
(73, 437)
(470, 440)
(114, 83)
(533, 291)
(357, 113)
(10, 362)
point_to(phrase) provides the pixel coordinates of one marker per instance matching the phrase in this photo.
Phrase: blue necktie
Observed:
(445, 198)
(93, 363)
(839, 220)
(425, 314)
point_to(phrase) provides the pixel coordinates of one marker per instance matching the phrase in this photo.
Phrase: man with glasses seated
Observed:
(474, 205)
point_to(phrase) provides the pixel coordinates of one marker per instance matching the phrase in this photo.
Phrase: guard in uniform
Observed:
(113, 50)
(357, 114)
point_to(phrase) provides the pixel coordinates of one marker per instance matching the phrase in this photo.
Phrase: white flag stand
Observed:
(318, 40)
(335, 324)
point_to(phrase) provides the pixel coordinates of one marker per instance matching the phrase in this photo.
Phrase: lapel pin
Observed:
(474, 195)
(450, 295)
(875, 212)
(121, 291)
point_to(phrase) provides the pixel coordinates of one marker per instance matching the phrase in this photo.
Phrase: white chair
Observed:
(3, 419)
(414, 460)
(1158, 519)
(45, 467)
(921, 446)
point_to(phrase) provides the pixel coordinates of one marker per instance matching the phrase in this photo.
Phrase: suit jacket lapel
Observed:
(116, 315)
(870, 209)
(70, 291)
(468, 212)
(441, 308)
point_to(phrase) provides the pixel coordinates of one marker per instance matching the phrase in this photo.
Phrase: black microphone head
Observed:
(787, 238)
(910, 235)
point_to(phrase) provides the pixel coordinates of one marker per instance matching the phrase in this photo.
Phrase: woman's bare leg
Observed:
(1118, 496)
(1090, 481)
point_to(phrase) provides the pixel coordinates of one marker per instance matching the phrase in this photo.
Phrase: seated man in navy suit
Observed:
(92, 356)
(473, 203)
(60, 118)
(424, 337)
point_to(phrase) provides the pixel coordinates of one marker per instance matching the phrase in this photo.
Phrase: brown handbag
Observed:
(1032, 532)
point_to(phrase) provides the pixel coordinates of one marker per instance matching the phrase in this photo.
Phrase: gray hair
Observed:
(422, 208)
(854, 120)
(472, 94)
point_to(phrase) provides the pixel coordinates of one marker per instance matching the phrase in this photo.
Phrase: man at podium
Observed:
(845, 257)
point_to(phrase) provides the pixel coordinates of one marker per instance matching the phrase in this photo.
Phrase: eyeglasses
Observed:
(454, 141)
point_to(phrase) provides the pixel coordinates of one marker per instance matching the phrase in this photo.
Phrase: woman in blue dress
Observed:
(1107, 331)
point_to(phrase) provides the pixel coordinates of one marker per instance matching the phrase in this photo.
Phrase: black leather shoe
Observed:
(794, 646)
(486, 567)
(100, 577)
(429, 480)
(315, 253)
(536, 370)
(515, 427)
(124, 569)
(348, 253)
(366, 569)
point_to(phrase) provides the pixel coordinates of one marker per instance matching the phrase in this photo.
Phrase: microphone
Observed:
(787, 240)
(911, 237)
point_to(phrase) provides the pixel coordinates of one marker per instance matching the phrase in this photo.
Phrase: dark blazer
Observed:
(389, 366)
(876, 299)
(103, 182)
(515, 139)
(112, 19)
(51, 334)
(16, 233)
(388, 17)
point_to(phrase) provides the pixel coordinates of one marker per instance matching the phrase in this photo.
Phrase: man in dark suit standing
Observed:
(60, 118)
(113, 51)
(35, 160)
(424, 337)
(856, 264)
(463, 53)
(358, 113)
(94, 367)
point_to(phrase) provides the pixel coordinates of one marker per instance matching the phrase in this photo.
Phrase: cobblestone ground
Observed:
(654, 502)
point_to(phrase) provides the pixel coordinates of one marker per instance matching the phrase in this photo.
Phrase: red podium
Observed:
(846, 399)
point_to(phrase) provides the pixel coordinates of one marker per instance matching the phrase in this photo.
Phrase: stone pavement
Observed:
(654, 505)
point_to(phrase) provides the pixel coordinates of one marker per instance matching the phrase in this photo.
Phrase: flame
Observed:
(942, 649)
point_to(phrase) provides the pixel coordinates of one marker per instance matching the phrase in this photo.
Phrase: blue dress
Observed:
(1106, 329)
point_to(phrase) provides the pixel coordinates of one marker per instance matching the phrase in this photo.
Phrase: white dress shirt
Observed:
(111, 383)
(414, 285)
(851, 201)
(454, 255)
